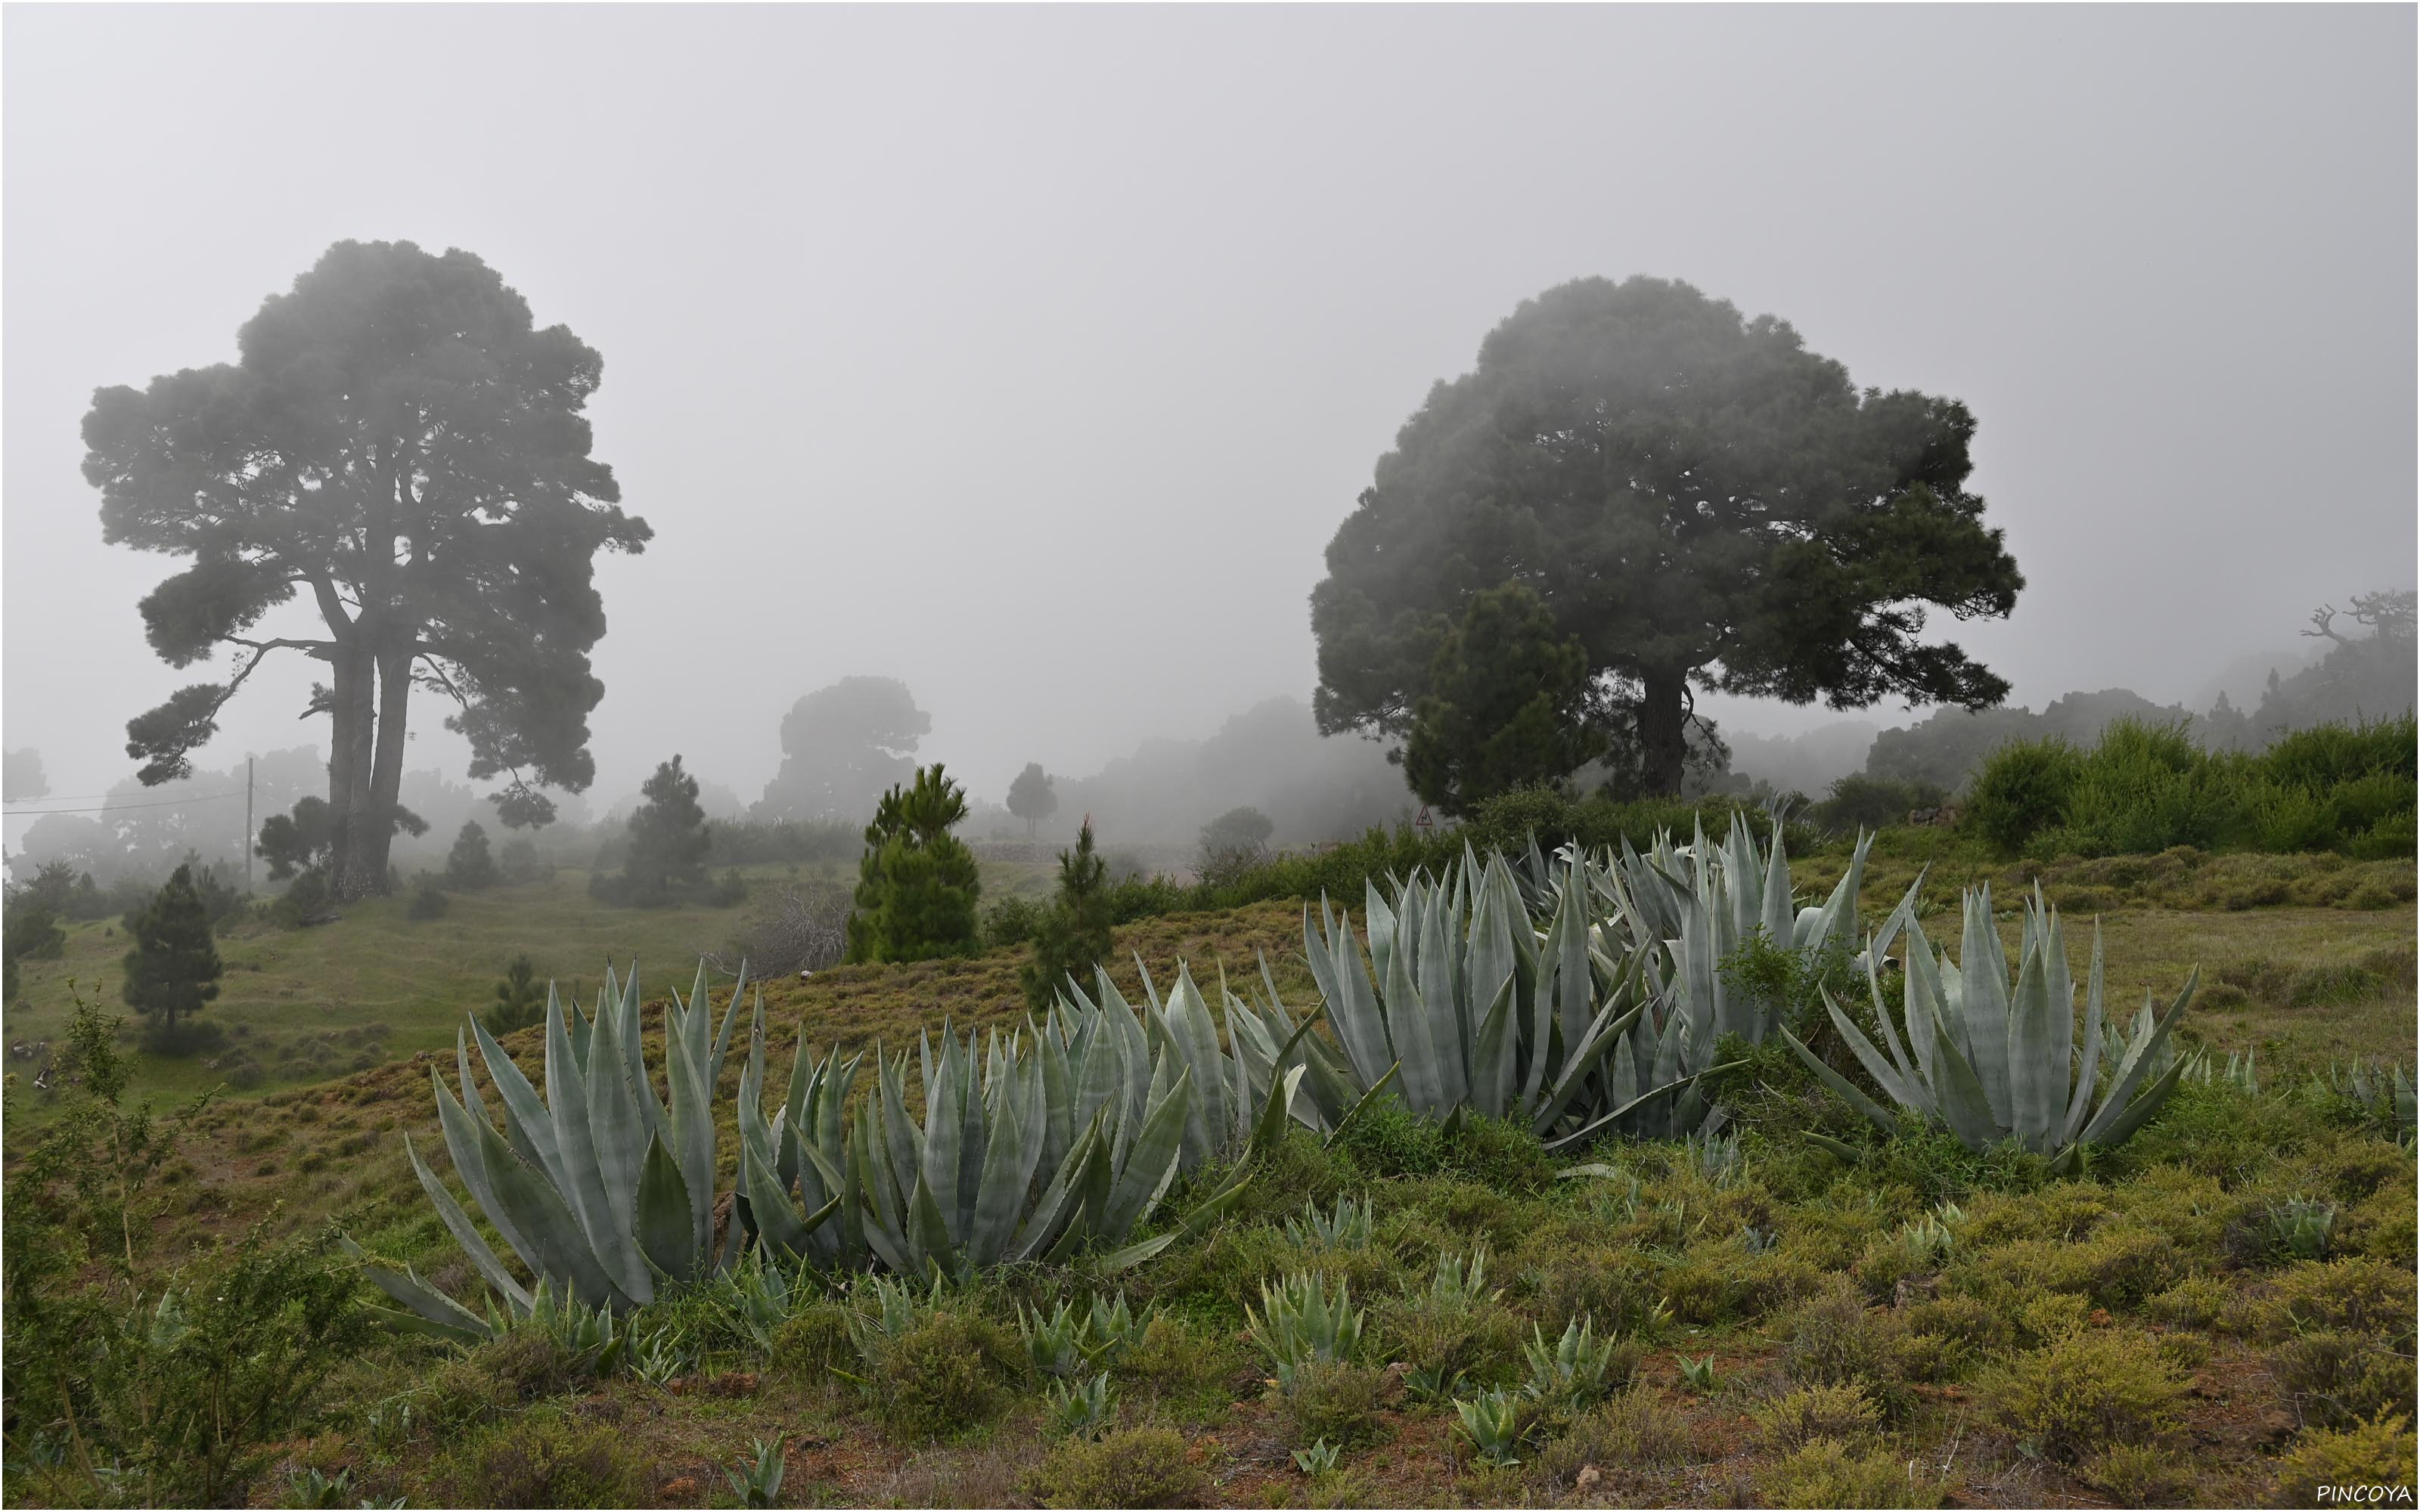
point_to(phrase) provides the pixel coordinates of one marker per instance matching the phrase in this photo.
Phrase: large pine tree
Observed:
(401, 445)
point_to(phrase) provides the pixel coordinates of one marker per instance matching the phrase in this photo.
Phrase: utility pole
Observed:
(247, 823)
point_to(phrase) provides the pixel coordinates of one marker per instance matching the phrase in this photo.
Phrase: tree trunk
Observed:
(386, 769)
(348, 759)
(1663, 739)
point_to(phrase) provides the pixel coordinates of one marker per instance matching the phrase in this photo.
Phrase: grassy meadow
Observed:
(1920, 1326)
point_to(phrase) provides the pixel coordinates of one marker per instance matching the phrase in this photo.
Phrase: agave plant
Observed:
(1464, 1003)
(599, 1187)
(1299, 1322)
(1684, 912)
(1993, 1062)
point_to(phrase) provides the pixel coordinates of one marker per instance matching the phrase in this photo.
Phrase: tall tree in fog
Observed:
(1031, 798)
(400, 441)
(843, 746)
(1698, 499)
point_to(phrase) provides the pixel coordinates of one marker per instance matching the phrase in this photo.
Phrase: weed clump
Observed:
(544, 1459)
(2085, 1392)
(1835, 1340)
(1824, 1472)
(946, 1373)
(1797, 1418)
(1630, 1428)
(1124, 1468)
(1335, 1401)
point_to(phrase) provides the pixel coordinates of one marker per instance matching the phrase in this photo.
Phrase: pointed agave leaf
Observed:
(525, 1116)
(666, 1234)
(2140, 1109)
(1150, 1163)
(2038, 1089)
(1886, 1075)
(465, 1232)
(1614, 1118)
(2130, 1070)
(566, 1094)
(561, 1250)
(616, 1130)
(1006, 1177)
(432, 1311)
(2079, 1106)
(1983, 1007)
(1964, 1103)
(462, 1143)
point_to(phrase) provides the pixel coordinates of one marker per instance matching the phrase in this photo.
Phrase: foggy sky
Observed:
(1034, 355)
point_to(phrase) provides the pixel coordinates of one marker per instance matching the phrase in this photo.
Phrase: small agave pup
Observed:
(1994, 1063)
(600, 1189)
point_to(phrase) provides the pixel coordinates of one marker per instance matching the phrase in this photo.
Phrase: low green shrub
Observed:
(1834, 1339)
(1630, 1428)
(543, 1458)
(1798, 1417)
(2335, 1379)
(1132, 1466)
(2377, 1453)
(2138, 1474)
(2083, 1392)
(814, 1341)
(1826, 1473)
(1335, 1401)
(945, 1374)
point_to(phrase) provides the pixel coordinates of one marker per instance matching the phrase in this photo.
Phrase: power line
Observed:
(114, 808)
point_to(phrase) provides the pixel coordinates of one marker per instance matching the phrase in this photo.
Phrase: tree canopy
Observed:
(842, 747)
(1697, 499)
(401, 443)
(1507, 706)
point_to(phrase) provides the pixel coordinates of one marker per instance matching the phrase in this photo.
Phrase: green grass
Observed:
(377, 985)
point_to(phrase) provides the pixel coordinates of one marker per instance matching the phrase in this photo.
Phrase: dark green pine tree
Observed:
(174, 968)
(1507, 705)
(668, 842)
(1074, 936)
(918, 883)
(469, 866)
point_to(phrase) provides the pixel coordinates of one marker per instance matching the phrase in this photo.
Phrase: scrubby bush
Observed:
(1072, 936)
(2378, 1452)
(945, 1374)
(1338, 1401)
(2083, 1392)
(1798, 1417)
(543, 1458)
(2334, 1378)
(1630, 1428)
(1826, 1473)
(2146, 788)
(1124, 1468)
